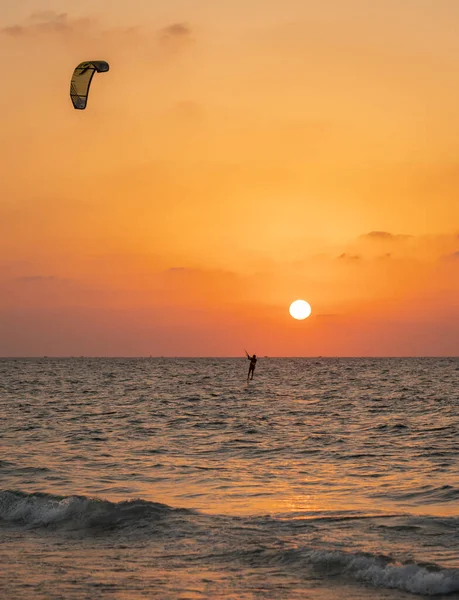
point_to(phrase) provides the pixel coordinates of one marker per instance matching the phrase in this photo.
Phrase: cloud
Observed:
(176, 30)
(13, 30)
(173, 37)
(383, 245)
(47, 22)
(176, 36)
(349, 257)
(385, 236)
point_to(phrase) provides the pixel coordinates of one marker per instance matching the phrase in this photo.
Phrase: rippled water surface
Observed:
(175, 478)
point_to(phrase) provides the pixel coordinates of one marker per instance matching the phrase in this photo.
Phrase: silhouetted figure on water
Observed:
(253, 362)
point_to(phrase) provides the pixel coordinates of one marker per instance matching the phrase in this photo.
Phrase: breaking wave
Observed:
(40, 510)
(382, 571)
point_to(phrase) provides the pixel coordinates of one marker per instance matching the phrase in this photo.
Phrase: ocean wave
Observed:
(428, 494)
(391, 426)
(4, 464)
(379, 571)
(13, 469)
(40, 510)
(253, 542)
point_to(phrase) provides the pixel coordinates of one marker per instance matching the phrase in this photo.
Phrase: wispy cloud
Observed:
(181, 31)
(173, 37)
(349, 257)
(385, 236)
(47, 22)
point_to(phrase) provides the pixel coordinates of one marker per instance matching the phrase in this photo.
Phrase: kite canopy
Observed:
(81, 81)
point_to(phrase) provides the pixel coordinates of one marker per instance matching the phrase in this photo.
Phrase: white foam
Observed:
(379, 572)
(38, 509)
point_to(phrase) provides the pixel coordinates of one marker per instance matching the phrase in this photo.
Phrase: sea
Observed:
(321, 478)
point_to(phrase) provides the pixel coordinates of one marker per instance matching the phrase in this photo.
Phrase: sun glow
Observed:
(300, 309)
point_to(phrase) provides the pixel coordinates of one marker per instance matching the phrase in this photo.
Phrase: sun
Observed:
(300, 309)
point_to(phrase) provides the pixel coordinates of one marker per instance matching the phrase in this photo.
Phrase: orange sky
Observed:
(236, 157)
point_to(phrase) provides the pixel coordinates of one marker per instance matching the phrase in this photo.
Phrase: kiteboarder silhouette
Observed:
(253, 362)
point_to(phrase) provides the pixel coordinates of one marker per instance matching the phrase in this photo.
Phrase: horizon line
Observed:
(158, 356)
